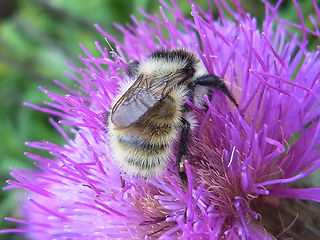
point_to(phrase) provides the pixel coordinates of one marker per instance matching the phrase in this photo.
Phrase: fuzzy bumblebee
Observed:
(150, 113)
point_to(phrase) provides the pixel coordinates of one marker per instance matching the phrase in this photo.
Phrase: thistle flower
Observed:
(240, 161)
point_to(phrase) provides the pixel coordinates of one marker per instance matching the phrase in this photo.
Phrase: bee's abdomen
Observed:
(143, 148)
(145, 151)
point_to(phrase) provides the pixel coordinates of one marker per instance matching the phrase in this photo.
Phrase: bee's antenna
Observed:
(113, 52)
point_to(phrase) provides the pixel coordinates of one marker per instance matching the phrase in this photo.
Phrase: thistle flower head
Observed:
(239, 159)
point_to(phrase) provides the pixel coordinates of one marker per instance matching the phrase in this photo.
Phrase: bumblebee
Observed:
(150, 113)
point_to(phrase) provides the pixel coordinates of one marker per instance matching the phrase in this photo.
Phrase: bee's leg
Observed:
(215, 82)
(133, 68)
(182, 151)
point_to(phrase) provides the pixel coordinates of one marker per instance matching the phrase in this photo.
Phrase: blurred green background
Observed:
(36, 38)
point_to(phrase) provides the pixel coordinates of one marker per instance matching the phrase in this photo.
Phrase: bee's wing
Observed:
(140, 97)
(133, 104)
(166, 83)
